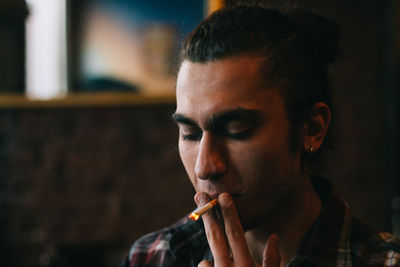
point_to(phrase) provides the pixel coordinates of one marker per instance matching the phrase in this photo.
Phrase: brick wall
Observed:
(86, 182)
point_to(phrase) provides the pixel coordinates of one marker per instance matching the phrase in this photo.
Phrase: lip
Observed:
(233, 194)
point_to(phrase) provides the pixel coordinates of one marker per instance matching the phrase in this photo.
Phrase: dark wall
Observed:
(79, 185)
(361, 79)
(12, 45)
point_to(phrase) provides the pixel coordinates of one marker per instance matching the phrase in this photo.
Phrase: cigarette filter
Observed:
(195, 215)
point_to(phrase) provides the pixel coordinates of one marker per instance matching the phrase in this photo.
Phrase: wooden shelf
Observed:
(76, 100)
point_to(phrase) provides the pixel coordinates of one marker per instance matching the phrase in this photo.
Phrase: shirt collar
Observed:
(327, 242)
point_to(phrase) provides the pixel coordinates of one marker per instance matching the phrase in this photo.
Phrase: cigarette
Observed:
(195, 215)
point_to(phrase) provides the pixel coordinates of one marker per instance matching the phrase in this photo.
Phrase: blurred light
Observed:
(46, 49)
(194, 216)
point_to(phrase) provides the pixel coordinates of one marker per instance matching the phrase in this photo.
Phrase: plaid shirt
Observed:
(335, 239)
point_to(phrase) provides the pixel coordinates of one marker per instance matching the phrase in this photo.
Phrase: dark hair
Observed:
(297, 48)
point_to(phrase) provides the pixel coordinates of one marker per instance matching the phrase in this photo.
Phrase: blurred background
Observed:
(88, 152)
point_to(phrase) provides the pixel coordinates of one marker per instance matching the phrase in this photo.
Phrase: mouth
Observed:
(234, 195)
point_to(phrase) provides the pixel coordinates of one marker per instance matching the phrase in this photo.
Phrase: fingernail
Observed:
(224, 199)
(274, 238)
(271, 255)
(273, 241)
(201, 198)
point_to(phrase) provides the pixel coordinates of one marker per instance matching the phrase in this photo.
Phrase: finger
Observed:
(234, 231)
(214, 232)
(205, 264)
(271, 256)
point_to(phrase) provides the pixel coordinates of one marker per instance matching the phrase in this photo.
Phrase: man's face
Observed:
(234, 135)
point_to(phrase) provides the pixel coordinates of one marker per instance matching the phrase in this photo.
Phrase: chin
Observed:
(247, 219)
(254, 215)
(248, 223)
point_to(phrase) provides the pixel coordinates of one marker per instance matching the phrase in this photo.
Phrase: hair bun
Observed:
(323, 34)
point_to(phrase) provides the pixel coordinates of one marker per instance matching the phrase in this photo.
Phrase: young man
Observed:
(253, 111)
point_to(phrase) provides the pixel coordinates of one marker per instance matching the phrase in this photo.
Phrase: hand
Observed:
(235, 239)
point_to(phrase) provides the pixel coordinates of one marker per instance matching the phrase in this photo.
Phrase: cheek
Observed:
(254, 154)
(265, 161)
(188, 156)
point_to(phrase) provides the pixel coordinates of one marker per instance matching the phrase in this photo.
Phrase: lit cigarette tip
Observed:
(195, 215)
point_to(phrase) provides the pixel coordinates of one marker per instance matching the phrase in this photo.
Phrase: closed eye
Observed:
(244, 134)
(188, 129)
(190, 133)
(238, 129)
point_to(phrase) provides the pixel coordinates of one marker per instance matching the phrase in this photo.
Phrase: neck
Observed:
(291, 224)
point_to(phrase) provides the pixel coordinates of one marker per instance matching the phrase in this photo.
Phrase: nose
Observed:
(210, 163)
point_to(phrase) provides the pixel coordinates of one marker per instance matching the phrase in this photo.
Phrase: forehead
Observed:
(235, 71)
(222, 85)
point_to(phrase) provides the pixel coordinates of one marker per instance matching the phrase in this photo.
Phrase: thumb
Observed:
(271, 257)
(205, 263)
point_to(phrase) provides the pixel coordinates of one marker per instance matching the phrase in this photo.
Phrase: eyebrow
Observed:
(250, 115)
(180, 118)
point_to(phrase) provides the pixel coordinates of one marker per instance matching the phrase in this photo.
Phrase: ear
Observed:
(316, 127)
